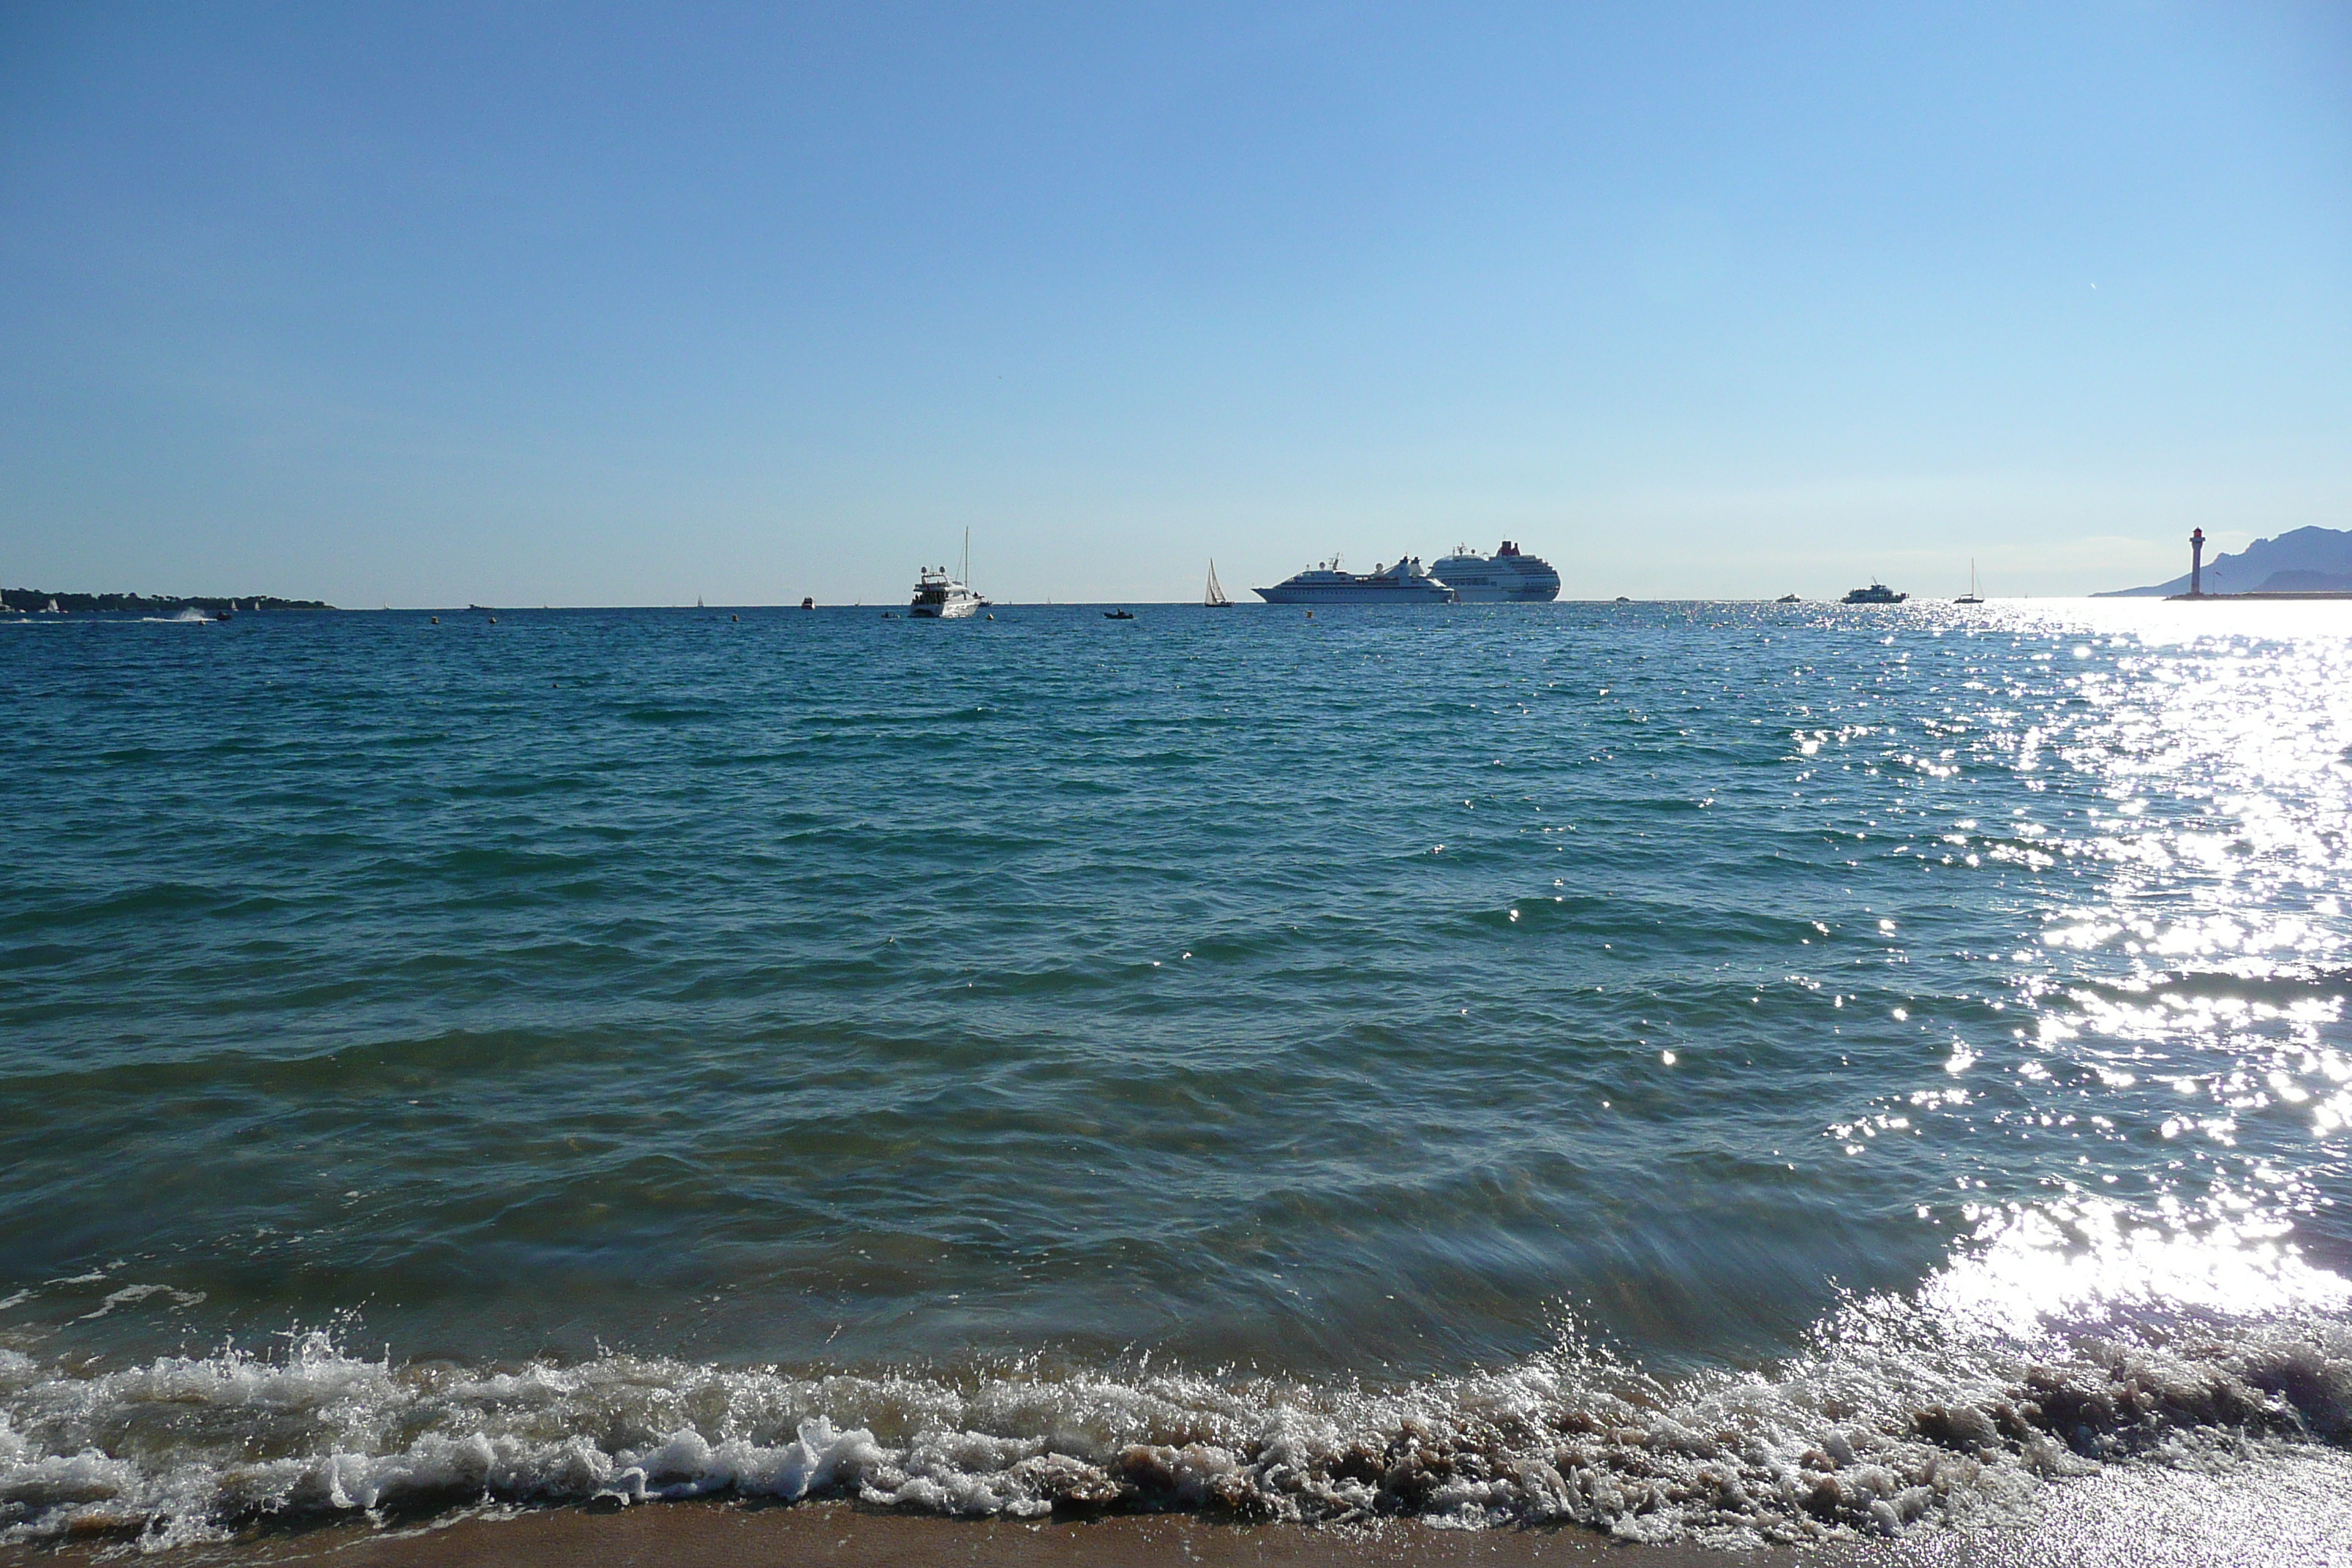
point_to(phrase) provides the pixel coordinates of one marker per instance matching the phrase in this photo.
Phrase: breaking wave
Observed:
(1887, 1427)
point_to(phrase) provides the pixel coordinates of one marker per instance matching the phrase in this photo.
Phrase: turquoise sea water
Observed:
(1731, 1071)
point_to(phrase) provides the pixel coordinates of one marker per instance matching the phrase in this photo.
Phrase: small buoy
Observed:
(494, 620)
(1310, 615)
(991, 617)
(734, 617)
(436, 620)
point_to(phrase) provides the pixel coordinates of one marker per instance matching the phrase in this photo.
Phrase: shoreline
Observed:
(2276, 1507)
(730, 1533)
(2259, 593)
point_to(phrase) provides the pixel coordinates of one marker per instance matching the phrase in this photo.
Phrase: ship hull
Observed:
(1282, 593)
(1507, 594)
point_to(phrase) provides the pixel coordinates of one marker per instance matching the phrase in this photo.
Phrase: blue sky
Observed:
(575, 304)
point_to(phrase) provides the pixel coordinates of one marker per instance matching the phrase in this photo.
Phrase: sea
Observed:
(1719, 1073)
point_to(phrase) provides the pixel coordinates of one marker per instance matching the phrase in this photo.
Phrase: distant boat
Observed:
(1214, 598)
(940, 597)
(1788, 599)
(1970, 596)
(1118, 616)
(809, 602)
(1877, 594)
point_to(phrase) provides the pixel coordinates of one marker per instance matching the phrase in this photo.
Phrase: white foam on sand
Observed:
(1907, 1416)
(2065, 1340)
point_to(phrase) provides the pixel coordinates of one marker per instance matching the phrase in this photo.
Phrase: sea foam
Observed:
(1887, 1427)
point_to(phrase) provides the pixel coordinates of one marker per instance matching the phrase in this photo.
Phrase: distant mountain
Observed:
(2308, 560)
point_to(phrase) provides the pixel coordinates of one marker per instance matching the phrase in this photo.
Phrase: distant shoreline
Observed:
(2263, 594)
(37, 601)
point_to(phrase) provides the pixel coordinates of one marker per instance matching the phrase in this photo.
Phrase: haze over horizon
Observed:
(543, 305)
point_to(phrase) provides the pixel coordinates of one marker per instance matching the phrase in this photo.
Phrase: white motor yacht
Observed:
(941, 597)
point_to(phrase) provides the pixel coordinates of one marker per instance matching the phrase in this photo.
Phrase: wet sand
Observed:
(2279, 1511)
(720, 1535)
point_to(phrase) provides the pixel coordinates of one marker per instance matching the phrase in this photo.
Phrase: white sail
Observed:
(1215, 598)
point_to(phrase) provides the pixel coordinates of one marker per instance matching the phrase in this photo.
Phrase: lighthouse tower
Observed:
(2197, 563)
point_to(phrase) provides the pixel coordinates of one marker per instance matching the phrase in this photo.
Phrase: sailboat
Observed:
(1214, 598)
(1970, 596)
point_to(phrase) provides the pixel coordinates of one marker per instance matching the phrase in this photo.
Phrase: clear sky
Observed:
(593, 304)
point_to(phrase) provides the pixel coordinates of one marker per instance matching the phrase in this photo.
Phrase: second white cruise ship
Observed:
(1508, 577)
(1404, 583)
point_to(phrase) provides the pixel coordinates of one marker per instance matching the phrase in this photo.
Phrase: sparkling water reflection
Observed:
(1390, 1001)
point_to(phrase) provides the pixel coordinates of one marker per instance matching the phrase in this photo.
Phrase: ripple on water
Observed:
(1720, 1071)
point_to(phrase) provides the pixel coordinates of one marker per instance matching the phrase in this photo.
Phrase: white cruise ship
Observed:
(1406, 582)
(1508, 577)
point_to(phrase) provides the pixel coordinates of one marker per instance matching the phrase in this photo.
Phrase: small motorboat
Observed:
(1118, 615)
(1788, 599)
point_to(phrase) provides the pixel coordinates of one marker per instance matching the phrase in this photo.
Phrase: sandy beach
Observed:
(720, 1535)
(2276, 1509)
